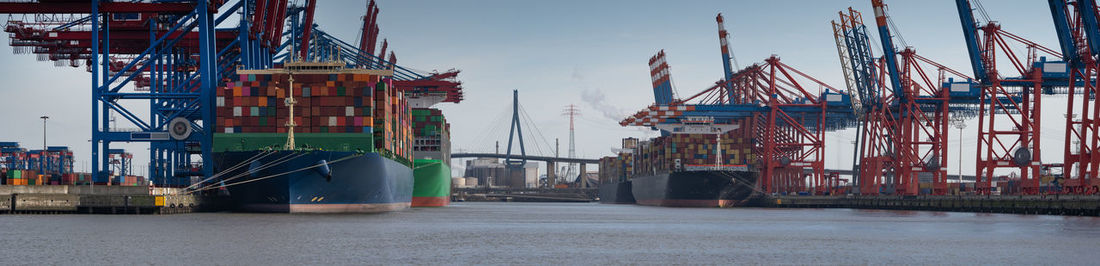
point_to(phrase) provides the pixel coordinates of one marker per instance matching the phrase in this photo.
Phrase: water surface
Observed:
(552, 233)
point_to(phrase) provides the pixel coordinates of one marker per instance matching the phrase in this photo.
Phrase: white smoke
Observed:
(597, 100)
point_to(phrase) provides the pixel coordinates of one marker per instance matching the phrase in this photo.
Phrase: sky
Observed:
(589, 53)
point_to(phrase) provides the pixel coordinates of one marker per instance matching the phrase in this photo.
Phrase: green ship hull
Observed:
(432, 183)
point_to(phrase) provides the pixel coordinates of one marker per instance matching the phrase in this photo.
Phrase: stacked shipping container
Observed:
(23, 177)
(32, 178)
(327, 103)
(621, 167)
(364, 105)
(19, 166)
(134, 181)
(76, 179)
(432, 137)
(661, 154)
(393, 130)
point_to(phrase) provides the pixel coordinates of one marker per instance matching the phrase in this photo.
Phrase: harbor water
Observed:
(554, 234)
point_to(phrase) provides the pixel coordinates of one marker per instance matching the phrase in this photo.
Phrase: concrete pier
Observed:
(102, 200)
(1048, 204)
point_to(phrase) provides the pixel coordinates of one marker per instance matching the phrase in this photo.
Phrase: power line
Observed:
(572, 112)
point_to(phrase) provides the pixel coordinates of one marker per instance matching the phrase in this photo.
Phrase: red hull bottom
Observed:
(431, 201)
(690, 203)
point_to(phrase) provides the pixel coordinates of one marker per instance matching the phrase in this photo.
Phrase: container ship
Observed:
(314, 137)
(432, 157)
(615, 174)
(681, 170)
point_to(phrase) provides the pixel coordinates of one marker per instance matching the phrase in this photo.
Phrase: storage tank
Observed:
(471, 182)
(459, 182)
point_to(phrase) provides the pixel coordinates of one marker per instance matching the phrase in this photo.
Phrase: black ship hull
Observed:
(617, 193)
(708, 188)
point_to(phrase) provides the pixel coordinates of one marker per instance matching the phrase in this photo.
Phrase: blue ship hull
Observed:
(360, 183)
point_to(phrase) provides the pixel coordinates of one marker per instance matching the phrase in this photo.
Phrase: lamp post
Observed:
(960, 124)
(42, 160)
(44, 131)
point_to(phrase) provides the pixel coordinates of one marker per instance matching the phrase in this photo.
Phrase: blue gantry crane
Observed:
(173, 54)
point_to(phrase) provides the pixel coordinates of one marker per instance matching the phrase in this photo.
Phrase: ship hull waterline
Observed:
(352, 182)
(711, 188)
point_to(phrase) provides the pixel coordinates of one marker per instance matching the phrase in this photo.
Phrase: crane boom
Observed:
(662, 85)
(970, 33)
(724, 41)
(888, 50)
(1092, 29)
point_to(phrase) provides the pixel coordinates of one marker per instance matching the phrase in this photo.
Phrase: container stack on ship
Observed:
(351, 144)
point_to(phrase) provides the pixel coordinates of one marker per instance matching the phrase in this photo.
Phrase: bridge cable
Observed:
(492, 132)
(531, 133)
(537, 130)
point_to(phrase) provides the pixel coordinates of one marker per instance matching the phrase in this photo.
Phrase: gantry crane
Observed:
(1079, 39)
(784, 117)
(175, 53)
(1009, 116)
(903, 136)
